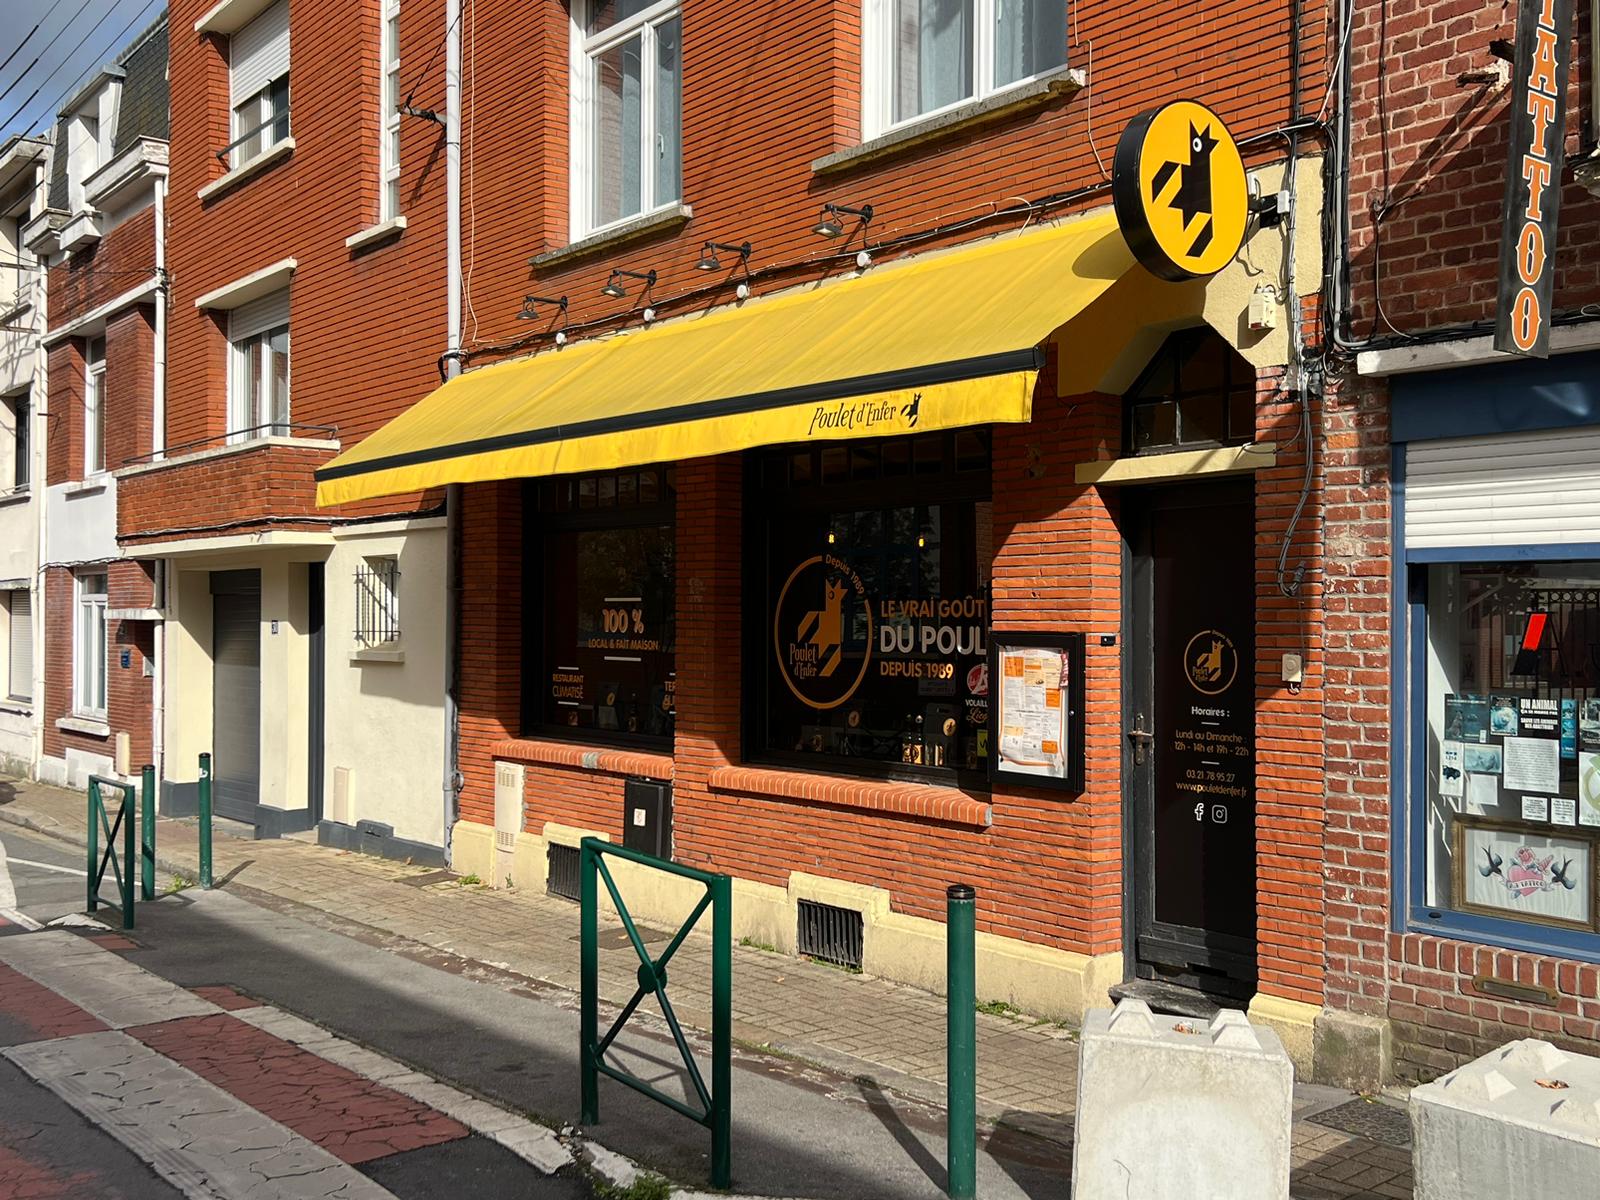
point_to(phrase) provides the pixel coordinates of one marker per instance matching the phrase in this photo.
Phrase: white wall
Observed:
(81, 524)
(385, 719)
(285, 689)
(187, 681)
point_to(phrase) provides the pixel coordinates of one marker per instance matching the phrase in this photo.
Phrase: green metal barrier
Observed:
(714, 1112)
(124, 824)
(961, 1052)
(147, 833)
(205, 821)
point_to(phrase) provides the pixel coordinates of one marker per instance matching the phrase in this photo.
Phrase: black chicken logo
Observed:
(1192, 197)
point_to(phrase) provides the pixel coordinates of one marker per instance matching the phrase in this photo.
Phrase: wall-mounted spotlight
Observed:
(530, 306)
(710, 262)
(616, 291)
(829, 225)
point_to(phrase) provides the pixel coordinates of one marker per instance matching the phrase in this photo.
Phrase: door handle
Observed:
(1140, 737)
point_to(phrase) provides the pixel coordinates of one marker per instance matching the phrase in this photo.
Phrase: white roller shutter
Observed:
(1520, 488)
(258, 316)
(20, 685)
(259, 52)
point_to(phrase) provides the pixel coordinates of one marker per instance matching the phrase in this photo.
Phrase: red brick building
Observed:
(1458, 533)
(664, 624)
(101, 239)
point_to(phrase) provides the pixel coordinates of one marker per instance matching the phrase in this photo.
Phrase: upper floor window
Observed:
(258, 368)
(626, 137)
(21, 415)
(1196, 393)
(83, 156)
(16, 269)
(924, 56)
(94, 406)
(90, 637)
(389, 136)
(258, 81)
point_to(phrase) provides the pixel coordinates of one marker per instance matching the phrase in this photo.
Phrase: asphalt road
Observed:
(41, 880)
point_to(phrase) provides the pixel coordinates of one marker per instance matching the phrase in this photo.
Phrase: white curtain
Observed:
(932, 49)
(1030, 37)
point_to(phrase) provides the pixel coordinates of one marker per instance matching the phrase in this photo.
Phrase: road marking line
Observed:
(26, 862)
(17, 917)
(8, 894)
(207, 1143)
(100, 982)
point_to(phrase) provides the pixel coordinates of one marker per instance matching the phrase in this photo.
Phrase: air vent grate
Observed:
(563, 877)
(831, 934)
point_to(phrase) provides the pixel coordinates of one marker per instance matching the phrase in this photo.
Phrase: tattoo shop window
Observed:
(600, 624)
(1196, 394)
(1509, 732)
(868, 615)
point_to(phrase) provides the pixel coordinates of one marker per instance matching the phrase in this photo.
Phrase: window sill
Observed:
(673, 216)
(373, 234)
(16, 707)
(274, 153)
(85, 487)
(946, 806)
(16, 496)
(376, 655)
(584, 757)
(1177, 464)
(1036, 93)
(93, 726)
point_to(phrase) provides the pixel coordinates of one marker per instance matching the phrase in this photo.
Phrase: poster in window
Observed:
(1037, 696)
(1504, 870)
(1466, 718)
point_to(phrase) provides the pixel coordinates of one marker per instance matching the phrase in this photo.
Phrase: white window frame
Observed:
(389, 109)
(24, 694)
(94, 405)
(90, 664)
(877, 63)
(250, 334)
(252, 114)
(585, 104)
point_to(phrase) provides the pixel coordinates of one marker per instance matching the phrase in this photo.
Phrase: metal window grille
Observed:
(562, 878)
(831, 934)
(378, 602)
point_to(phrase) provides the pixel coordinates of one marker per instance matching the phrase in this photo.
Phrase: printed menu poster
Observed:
(1563, 810)
(1033, 711)
(1532, 764)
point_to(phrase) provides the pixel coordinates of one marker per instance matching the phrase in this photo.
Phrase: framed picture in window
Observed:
(1036, 705)
(1506, 870)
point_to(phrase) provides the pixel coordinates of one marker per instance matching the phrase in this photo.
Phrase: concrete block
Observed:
(1172, 1109)
(1353, 1050)
(1521, 1121)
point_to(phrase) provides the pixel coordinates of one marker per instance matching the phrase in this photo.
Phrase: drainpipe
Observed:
(452, 360)
(158, 442)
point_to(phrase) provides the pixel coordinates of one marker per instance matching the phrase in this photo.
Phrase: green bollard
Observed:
(94, 846)
(205, 821)
(961, 1105)
(130, 853)
(589, 989)
(147, 831)
(721, 1032)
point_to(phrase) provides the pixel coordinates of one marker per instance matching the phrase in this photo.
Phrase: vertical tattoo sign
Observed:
(1533, 177)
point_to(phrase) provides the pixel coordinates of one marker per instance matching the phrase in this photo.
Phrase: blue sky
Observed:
(73, 39)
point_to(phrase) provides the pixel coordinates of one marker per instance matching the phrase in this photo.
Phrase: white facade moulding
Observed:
(114, 184)
(1181, 464)
(1467, 352)
(21, 158)
(239, 547)
(229, 16)
(253, 286)
(81, 230)
(373, 234)
(254, 444)
(42, 235)
(92, 319)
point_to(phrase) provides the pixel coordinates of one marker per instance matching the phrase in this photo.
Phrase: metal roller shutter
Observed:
(259, 52)
(20, 684)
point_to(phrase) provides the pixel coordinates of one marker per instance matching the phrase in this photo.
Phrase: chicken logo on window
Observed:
(1180, 191)
(1210, 662)
(822, 631)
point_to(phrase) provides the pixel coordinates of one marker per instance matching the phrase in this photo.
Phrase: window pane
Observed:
(931, 49)
(1512, 782)
(22, 415)
(603, 14)
(610, 630)
(1030, 37)
(278, 107)
(618, 153)
(278, 415)
(668, 100)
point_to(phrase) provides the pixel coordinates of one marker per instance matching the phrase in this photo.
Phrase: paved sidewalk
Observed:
(852, 1024)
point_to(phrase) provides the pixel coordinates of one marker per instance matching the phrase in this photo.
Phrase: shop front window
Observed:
(868, 633)
(1510, 732)
(600, 628)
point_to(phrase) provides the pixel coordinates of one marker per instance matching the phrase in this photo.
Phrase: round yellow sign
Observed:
(1179, 188)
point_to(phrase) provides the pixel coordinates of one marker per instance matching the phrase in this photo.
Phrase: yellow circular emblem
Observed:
(1180, 192)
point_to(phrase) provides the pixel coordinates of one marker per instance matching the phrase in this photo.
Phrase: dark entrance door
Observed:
(1190, 716)
(236, 690)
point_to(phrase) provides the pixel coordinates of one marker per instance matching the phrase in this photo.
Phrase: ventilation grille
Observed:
(562, 879)
(831, 934)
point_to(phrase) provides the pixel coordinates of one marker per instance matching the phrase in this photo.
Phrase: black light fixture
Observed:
(530, 306)
(829, 225)
(710, 262)
(616, 291)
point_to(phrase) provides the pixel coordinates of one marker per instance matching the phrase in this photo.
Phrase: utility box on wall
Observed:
(647, 817)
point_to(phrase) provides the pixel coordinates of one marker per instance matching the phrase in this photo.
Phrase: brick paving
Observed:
(30, 1012)
(853, 1024)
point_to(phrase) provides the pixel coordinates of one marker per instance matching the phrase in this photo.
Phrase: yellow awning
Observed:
(934, 342)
